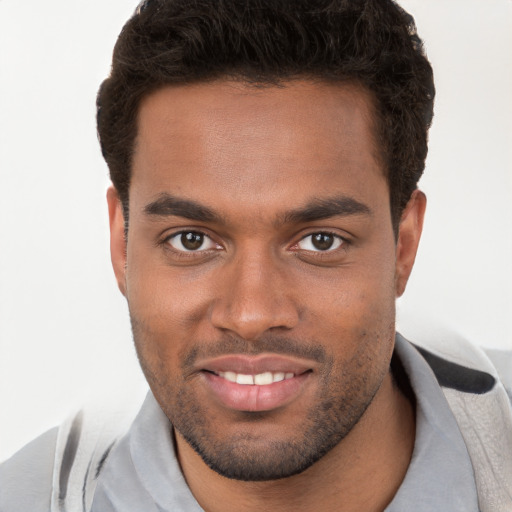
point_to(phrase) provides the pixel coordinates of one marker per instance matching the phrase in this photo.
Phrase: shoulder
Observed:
(502, 361)
(475, 389)
(26, 478)
(59, 469)
(463, 366)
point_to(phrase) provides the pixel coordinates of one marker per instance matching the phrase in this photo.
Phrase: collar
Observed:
(440, 475)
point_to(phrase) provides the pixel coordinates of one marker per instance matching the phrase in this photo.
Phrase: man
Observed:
(264, 217)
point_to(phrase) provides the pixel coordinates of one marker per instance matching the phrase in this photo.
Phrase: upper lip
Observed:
(254, 365)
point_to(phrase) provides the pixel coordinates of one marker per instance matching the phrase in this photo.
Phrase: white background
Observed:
(64, 329)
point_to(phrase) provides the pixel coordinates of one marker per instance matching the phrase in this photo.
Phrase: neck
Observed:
(362, 473)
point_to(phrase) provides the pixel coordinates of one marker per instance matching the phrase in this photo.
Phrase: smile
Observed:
(265, 391)
(261, 379)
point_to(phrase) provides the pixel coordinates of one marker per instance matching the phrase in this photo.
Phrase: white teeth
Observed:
(261, 379)
(231, 376)
(278, 377)
(244, 379)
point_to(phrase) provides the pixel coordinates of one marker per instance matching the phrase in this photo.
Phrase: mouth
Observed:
(255, 384)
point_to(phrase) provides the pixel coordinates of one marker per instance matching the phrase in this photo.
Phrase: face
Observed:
(260, 268)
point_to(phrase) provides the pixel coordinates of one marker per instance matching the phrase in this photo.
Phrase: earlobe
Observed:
(117, 237)
(411, 225)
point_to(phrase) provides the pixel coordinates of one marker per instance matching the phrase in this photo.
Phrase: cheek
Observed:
(374, 285)
(362, 291)
(165, 311)
(356, 313)
(165, 297)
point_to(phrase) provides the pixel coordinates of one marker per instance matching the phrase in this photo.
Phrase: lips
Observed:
(262, 383)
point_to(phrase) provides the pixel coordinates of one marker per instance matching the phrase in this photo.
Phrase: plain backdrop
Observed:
(64, 328)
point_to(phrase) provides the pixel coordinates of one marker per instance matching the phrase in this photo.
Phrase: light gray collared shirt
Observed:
(440, 476)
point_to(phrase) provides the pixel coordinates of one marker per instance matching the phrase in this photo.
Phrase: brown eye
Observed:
(191, 241)
(320, 242)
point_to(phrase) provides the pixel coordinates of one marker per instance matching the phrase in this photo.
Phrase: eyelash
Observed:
(344, 243)
(166, 242)
(341, 241)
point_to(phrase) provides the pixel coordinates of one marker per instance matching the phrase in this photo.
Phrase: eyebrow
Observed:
(167, 205)
(320, 209)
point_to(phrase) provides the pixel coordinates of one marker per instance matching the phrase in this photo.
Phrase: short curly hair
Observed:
(267, 42)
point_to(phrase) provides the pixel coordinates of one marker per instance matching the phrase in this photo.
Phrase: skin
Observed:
(253, 160)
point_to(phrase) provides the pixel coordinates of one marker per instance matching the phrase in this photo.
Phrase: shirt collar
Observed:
(440, 475)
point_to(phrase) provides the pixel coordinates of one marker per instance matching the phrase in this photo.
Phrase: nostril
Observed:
(252, 320)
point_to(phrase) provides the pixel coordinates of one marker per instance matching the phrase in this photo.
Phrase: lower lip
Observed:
(252, 398)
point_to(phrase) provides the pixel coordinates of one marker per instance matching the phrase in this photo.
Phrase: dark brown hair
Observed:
(266, 42)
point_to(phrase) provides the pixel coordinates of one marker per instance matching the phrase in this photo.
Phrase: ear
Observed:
(409, 234)
(117, 238)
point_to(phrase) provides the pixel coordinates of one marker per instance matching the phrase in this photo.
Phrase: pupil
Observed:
(323, 241)
(192, 241)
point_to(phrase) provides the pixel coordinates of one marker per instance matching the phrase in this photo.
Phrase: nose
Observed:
(253, 296)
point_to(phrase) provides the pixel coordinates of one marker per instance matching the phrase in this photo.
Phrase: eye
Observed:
(322, 242)
(191, 241)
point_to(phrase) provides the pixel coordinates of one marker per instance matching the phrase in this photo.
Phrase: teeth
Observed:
(261, 379)
(244, 379)
(278, 377)
(231, 376)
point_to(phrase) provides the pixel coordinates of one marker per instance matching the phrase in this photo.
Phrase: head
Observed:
(264, 157)
(266, 43)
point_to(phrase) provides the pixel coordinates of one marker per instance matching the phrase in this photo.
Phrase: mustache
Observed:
(268, 344)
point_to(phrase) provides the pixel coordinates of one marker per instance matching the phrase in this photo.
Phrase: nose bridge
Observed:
(252, 295)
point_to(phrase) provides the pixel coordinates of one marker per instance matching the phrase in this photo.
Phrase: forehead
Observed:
(229, 138)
